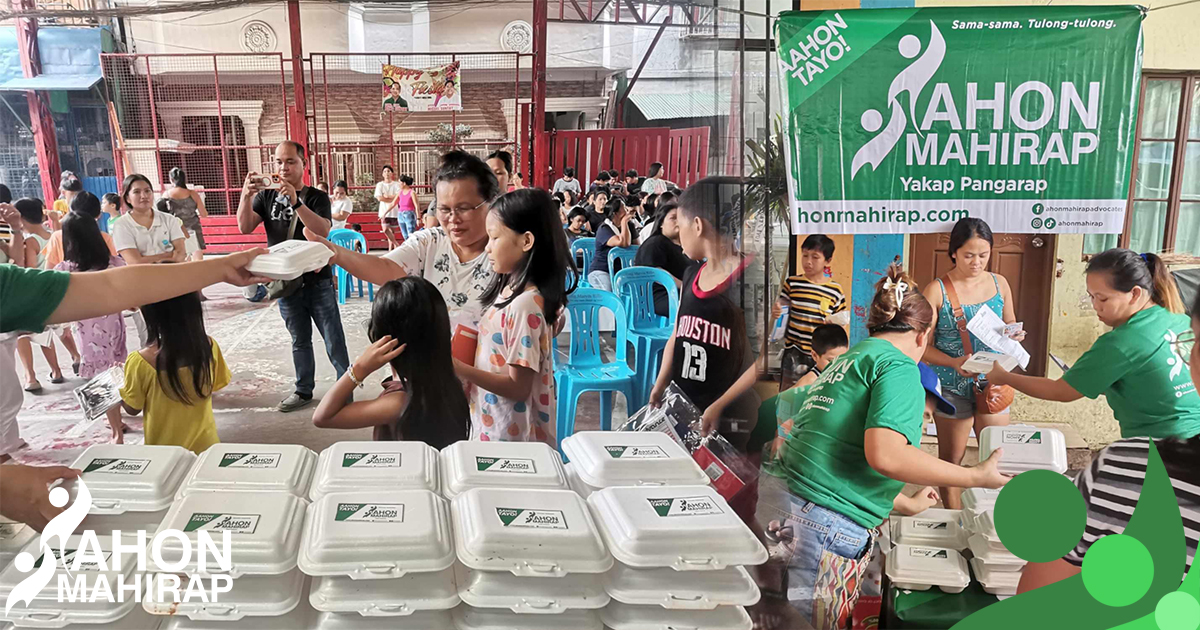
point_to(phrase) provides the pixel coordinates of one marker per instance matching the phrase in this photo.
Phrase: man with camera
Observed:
(285, 206)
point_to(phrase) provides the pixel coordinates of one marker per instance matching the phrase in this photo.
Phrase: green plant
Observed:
(768, 188)
(364, 199)
(441, 134)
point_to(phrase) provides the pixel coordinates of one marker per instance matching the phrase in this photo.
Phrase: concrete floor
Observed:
(257, 349)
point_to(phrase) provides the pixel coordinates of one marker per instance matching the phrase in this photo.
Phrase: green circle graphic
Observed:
(1038, 208)
(1177, 611)
(1040, 515)
(1118, 570)
(1036, 224)
(1050, 223)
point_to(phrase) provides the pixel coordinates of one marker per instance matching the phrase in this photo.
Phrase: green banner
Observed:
(907, 120)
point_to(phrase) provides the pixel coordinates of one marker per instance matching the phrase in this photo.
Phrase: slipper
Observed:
(57, 380)
(75, 366)
(34, 388)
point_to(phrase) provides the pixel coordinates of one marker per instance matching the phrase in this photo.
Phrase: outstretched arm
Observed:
(95, 293)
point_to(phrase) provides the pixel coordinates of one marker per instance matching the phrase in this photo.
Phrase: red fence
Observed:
(683, 152)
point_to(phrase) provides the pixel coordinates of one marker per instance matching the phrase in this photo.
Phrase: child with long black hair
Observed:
(513, 375)
(424, 401)
(101, 339)
(174, 377)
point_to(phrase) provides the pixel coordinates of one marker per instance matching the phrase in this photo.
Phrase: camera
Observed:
(270, 181)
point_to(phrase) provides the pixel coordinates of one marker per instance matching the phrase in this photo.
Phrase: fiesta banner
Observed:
(907, 120)
(422, 90)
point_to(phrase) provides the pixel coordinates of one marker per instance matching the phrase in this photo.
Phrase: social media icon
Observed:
(1038, 208)
(1036, 224)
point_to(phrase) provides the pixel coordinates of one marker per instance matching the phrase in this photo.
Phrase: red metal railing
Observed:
(683, 152)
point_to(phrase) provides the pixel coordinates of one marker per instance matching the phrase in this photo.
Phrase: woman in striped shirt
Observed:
(1112, 485)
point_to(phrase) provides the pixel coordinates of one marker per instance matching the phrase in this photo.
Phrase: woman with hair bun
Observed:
(856, 442)
(1139, 365)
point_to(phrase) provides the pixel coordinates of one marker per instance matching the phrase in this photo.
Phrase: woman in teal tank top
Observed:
(970, 251)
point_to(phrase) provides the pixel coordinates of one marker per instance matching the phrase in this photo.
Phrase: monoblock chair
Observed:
(648, 330)
(620, 258)
(585, 369)
(353, 241)
(585, 249)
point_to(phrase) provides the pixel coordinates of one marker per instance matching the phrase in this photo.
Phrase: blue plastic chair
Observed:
(355, 242)
(585, 369)
(649, 330)
(623, 255)
(585, 248)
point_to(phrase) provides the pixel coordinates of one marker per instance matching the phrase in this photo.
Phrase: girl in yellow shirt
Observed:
(173, 378)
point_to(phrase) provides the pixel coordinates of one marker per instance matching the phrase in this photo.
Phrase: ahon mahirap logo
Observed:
(911, 81)
(89, 570)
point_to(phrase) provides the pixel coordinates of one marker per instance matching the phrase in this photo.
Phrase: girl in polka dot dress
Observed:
(512, 381)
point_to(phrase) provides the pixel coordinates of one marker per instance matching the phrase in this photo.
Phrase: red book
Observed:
(463, 344)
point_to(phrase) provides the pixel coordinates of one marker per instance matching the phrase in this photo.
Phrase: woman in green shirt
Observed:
(1148, 386)
(854, 445)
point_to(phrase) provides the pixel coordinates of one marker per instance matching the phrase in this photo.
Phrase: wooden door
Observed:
(1025, 260)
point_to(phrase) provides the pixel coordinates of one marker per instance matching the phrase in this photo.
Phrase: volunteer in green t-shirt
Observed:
(1135, 365)
(854, 444)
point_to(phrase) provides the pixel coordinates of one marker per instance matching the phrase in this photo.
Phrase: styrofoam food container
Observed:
(45, 610)
(998, 560)
(351, 466)
(375, 535)
(702, 590)
(546, 533)
(471, 618)
(475, 464)
(996, 582)
(252, 468)
(603, 459)
(385, 598)
(290, 259)
(917, 568)
(250, 596)
(620, 616)
(420, 620)
(264, 529)
(125, 478)
(979, 500)
(13, 538)
(934, 528)
(130, 522)
(1025, 447)
(300, 618)
(136, 619)
(501, 589)
(687, 528)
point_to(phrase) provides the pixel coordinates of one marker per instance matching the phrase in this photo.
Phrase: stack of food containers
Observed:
(256, 493)
(605, 459)
(1026, 448)
(681, 552)
(528, 550)
(928, 552)
(131, 486)
(377, 539)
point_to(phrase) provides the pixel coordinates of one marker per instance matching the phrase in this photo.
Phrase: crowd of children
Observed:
(851, 441)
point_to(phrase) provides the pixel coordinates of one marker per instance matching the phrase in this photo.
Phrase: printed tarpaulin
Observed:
(435, 89)
(906, 120)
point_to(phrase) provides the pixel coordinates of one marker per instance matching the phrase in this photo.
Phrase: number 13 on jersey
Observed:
(695, 362)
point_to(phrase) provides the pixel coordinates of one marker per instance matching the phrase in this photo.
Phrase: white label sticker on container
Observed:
(215, 521)
(931, 525)
(636, 452)
(1022, 437)
(250, 460)
(369, 512)
(10, 530)
(117, 466)
(539, 519)
(506, 465)
(68, 558)
(685, 506)
(928, 552)
(371, 460)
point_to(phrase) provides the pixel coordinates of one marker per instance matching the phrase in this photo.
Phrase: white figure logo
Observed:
(1175, 361)
(912, 80)
(60, 527)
